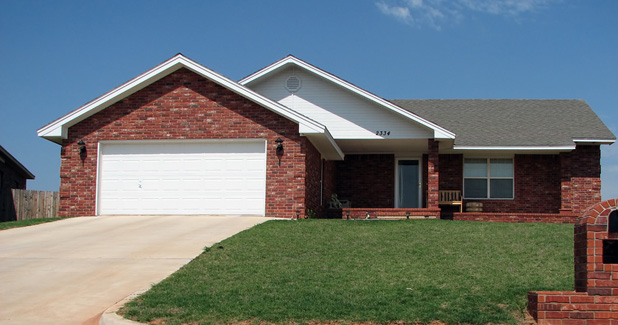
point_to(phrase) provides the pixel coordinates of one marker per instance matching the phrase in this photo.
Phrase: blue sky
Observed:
(57, 55)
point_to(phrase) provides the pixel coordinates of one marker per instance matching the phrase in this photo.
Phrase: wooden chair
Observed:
(336, 203)
(451, 198)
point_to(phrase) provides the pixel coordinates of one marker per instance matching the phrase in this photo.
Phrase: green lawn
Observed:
(25, 223)
(412, 271)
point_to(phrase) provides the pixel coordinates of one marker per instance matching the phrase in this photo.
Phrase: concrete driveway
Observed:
(70, 271)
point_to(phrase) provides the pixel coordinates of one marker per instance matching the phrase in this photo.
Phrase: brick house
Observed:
(183, 139)
(13, 175)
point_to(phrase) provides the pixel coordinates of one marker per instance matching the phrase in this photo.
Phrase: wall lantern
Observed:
(279, 149)
(82, 148)
(279, 146)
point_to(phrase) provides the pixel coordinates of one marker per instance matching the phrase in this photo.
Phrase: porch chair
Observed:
(451, 198)
(336, 203)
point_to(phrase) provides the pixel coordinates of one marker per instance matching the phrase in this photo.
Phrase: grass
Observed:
(25, 223)
(412, 271)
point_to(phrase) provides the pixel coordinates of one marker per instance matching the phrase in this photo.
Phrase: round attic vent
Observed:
(292, 84)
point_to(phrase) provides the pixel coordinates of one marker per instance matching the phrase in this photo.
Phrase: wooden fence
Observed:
(35, 204)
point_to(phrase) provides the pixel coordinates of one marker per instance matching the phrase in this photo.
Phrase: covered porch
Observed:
(413, 186)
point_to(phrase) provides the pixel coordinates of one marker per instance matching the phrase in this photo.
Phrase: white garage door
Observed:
(182, 177)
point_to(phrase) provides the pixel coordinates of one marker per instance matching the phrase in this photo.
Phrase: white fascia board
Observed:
(439, 132)
(58, 129)
(502, 148)
(595, 141)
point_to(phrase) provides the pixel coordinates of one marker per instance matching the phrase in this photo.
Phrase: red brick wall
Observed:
(543, 183)
(595, 299)
(451, 172)
(184, 105)
(591, 274)
(390, 213)
(367, 180)
(572, 308)
(585, 177)
(537, 186)
(515, 217)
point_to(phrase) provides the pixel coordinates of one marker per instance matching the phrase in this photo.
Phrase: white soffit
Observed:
(490, 151)
(537, 148)
(326, 145)
(439, 132)
(58, 129)
(558, 148)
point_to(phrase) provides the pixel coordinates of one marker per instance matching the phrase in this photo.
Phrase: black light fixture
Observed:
(82, 147)
(279, 149)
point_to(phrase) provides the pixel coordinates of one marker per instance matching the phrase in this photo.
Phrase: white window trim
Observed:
(488, 178)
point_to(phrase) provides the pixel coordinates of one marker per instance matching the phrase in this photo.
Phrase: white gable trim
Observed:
(439, 132)
(595, 141)
(58, 129)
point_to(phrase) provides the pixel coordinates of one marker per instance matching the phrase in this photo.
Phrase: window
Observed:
(488, 178)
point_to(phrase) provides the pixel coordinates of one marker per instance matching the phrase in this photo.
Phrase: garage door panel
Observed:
(226, 177)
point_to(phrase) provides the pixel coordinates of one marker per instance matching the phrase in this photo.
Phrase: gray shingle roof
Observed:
(512, 122)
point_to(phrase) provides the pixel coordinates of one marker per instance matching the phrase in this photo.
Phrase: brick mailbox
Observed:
(595, 299)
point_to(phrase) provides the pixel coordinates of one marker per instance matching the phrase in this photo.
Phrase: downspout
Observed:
(321, 182)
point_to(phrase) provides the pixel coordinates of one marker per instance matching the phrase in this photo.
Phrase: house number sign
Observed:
(383, 133)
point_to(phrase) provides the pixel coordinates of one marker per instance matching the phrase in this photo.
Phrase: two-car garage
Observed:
(190, 177)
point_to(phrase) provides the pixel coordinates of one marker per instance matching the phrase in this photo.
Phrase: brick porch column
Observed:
(433, 174)
(565, 183)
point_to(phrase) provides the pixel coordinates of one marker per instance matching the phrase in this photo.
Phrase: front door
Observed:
(408, 183)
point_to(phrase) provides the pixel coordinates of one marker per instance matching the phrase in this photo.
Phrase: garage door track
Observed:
(70, 271)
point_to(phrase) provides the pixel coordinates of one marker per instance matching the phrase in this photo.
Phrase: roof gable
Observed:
(346, 115)
(57, 130)
(438, 131)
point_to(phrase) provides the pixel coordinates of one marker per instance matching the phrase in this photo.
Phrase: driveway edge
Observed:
(110, 316)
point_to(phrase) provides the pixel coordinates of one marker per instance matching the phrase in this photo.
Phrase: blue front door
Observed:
(409, 183)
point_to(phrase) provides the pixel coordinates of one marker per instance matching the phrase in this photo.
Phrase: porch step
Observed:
(390, 213)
